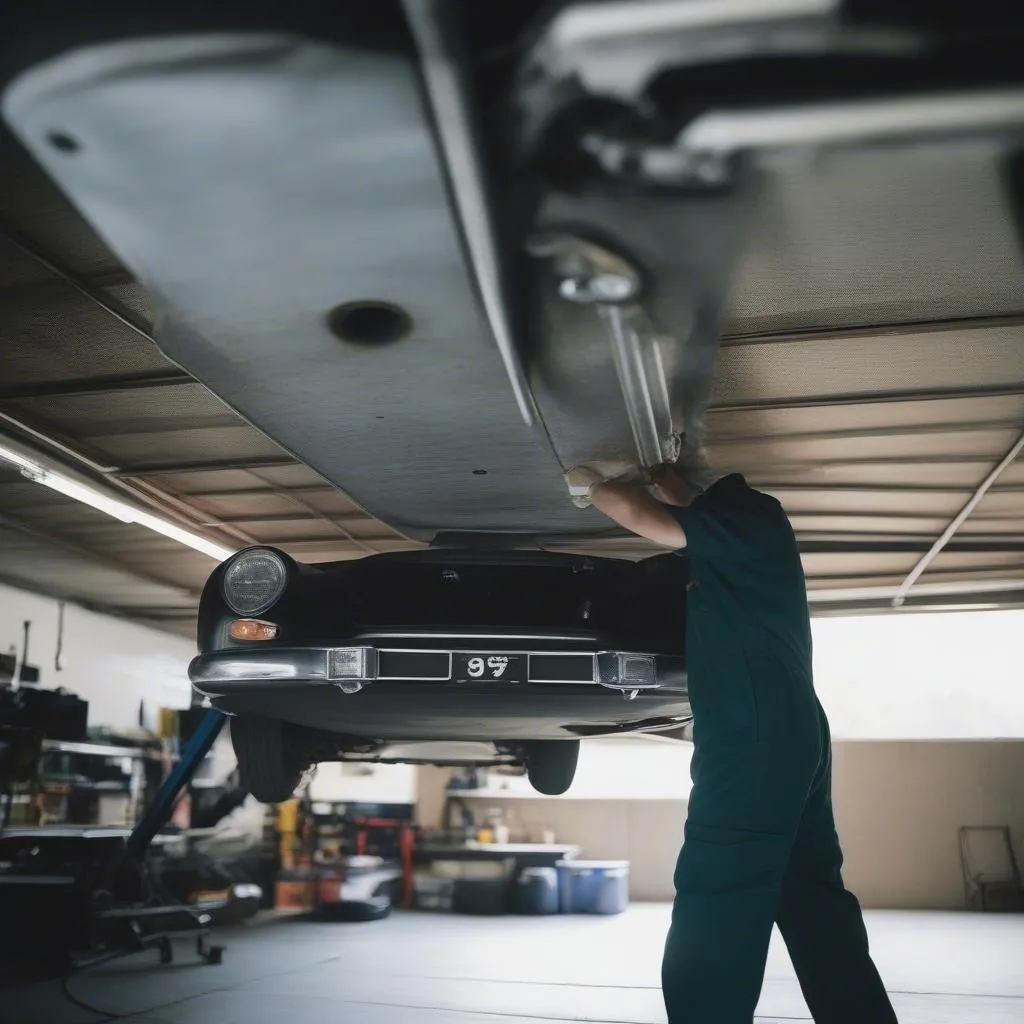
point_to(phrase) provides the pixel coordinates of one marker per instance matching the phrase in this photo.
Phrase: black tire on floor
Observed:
(268, 768)
(376, 908)
(551, 765)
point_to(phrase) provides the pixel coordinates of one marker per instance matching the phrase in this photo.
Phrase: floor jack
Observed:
(127, 923)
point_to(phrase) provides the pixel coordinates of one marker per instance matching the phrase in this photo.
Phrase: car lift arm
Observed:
(159, 811)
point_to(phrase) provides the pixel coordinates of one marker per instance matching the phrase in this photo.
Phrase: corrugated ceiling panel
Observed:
(133, 298)
(33, 205)
(848, 564)
(135, 452)
(142, 410)
(909, 503)
(296, 475)
(942, 578)
(872, 526)
(1001, 504)
(972, 444)
(39, 566)
(980, 561)
(199, 482)
(329, 501)
(248, 504)
(928, 527)
(858, 238)
(17, 271)
(964, 475)
(283, 533)
(882, 416)
(836, 366)
(67, 337)
(368, 528)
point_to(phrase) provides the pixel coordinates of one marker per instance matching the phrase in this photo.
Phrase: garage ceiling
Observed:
(874, 437)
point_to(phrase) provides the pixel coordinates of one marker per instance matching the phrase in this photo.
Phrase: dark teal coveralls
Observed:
(760, 840)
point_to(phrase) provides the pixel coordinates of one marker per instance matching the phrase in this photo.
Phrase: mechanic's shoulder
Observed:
(739, 481)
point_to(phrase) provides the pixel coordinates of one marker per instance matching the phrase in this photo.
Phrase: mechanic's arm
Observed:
(635, 510)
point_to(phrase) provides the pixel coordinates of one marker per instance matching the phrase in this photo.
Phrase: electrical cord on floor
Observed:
(65, 987)
(106, 1016)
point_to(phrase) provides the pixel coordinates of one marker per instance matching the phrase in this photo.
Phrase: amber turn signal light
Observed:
(252, 629)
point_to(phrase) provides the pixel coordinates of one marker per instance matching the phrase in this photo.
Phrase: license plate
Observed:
(488, 668)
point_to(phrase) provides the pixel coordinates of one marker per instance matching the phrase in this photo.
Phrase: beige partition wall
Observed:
(899, 807)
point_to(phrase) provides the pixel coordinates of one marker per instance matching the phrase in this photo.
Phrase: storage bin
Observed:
(536, 891)
(433, 893)
(593, 886)
(480, 895)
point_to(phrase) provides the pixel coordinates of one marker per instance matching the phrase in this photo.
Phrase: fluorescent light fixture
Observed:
(121, 510)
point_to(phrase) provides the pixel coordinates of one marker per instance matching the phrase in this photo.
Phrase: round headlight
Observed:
(254, 581)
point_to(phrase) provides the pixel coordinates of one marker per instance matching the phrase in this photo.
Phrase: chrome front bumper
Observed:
(351, 669)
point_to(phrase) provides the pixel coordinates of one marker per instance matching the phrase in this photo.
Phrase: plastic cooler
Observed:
(593, 886)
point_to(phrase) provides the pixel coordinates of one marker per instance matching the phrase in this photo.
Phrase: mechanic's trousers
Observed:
(761, 847)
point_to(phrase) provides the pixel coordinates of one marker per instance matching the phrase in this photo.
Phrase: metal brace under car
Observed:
(591, 275)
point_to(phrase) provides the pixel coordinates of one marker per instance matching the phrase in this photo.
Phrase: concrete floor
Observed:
(442, 969)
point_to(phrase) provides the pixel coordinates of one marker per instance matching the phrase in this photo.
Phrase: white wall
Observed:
(111, 663)
(364, 783)
(951, 675)
(622, 768)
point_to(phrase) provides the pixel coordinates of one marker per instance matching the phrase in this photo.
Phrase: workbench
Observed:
(526, 855)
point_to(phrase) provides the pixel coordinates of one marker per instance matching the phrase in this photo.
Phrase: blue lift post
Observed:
(159, 811)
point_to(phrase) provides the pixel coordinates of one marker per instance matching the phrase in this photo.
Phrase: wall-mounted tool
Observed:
(28, 675)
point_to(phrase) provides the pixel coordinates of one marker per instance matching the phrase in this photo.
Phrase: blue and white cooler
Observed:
(593, 886)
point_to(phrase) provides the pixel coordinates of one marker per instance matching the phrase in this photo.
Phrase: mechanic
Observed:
(760, 841)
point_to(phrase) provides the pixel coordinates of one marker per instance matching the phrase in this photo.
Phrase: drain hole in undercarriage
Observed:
(369, 323)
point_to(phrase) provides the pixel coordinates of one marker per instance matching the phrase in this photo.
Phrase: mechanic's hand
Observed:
(581, 482)
(584, 478)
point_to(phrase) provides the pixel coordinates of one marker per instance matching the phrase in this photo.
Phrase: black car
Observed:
(385, 657)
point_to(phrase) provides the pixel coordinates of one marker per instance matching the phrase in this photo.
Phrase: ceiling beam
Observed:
(115, 277)
(958, 520)
(960, 588)
(906, 430)
(294, 517)
(867, 398)
(917, 604)
(148, 611)
(204, 466)
(816, 488)
(945, 459)
(96, 385)
(974, 323)
(982, 545)
(262, 492)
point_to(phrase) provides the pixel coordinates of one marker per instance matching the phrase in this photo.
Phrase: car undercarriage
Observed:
(441, 253)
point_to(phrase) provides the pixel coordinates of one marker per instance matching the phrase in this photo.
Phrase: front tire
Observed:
(551, 765)
(269, 768)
